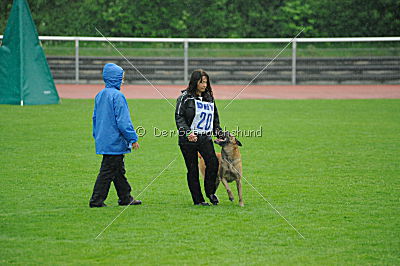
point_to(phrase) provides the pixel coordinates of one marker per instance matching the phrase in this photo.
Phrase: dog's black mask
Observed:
(222, 141)
(224, 138)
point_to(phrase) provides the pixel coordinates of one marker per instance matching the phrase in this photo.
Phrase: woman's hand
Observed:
(192, 137)
(135, 145)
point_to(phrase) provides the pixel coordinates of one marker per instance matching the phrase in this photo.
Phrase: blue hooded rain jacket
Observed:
(112, 126)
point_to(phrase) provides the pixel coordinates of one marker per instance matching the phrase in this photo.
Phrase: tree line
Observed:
(213, 18)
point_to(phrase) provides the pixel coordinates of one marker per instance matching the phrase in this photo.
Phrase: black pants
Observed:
(112, 170)
(189, 152)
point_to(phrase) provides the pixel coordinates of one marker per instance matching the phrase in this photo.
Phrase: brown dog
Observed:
(230, 164)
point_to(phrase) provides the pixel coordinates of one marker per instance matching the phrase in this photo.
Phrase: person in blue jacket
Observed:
(114, 136)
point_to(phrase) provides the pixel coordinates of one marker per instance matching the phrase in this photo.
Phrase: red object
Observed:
(228, 92)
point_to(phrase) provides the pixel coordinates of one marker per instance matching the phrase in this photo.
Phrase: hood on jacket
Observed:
(112, 75)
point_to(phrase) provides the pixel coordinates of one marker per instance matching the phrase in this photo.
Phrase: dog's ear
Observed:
(238, 142)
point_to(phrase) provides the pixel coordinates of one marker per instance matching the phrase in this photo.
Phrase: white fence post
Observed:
(185, 60)
(76, 60)
(294, 46)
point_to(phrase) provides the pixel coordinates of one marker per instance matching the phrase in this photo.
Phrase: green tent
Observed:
(25, 77)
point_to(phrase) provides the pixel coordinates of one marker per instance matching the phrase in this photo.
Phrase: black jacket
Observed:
(184, 115)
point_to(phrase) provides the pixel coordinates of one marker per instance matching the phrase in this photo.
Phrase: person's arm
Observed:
(94, 122)
(217, 130)
(182, 126)
(123, 118)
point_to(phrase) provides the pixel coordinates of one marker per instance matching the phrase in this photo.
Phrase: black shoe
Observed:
(213, 199)
(202, 204)
(97, 206)
(132, 202)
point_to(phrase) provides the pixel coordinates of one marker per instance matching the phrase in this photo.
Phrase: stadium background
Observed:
(329, 166)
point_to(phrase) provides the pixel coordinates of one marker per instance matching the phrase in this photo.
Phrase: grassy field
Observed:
(331, 168)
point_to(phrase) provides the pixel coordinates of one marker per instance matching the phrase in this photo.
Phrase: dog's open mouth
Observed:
(221, 141)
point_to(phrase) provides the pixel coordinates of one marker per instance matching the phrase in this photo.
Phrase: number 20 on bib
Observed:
(203, 120)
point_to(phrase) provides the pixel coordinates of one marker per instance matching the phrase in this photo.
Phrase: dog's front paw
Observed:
(241, 204)
(230, 195)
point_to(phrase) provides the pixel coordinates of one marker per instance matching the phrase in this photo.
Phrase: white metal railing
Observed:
(186, 42)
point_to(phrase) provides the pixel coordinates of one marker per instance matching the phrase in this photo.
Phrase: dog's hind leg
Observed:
(239, 188)
(230, 194)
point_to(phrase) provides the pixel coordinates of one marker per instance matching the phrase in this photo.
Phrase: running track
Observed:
(89, 91)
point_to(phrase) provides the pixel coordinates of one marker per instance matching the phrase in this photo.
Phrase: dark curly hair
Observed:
(194, 79)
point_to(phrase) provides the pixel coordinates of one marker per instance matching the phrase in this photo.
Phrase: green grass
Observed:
(331, 167)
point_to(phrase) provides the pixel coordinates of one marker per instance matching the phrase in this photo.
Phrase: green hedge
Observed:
(213, 18)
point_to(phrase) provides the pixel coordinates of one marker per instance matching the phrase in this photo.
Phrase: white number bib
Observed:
(204, 118)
